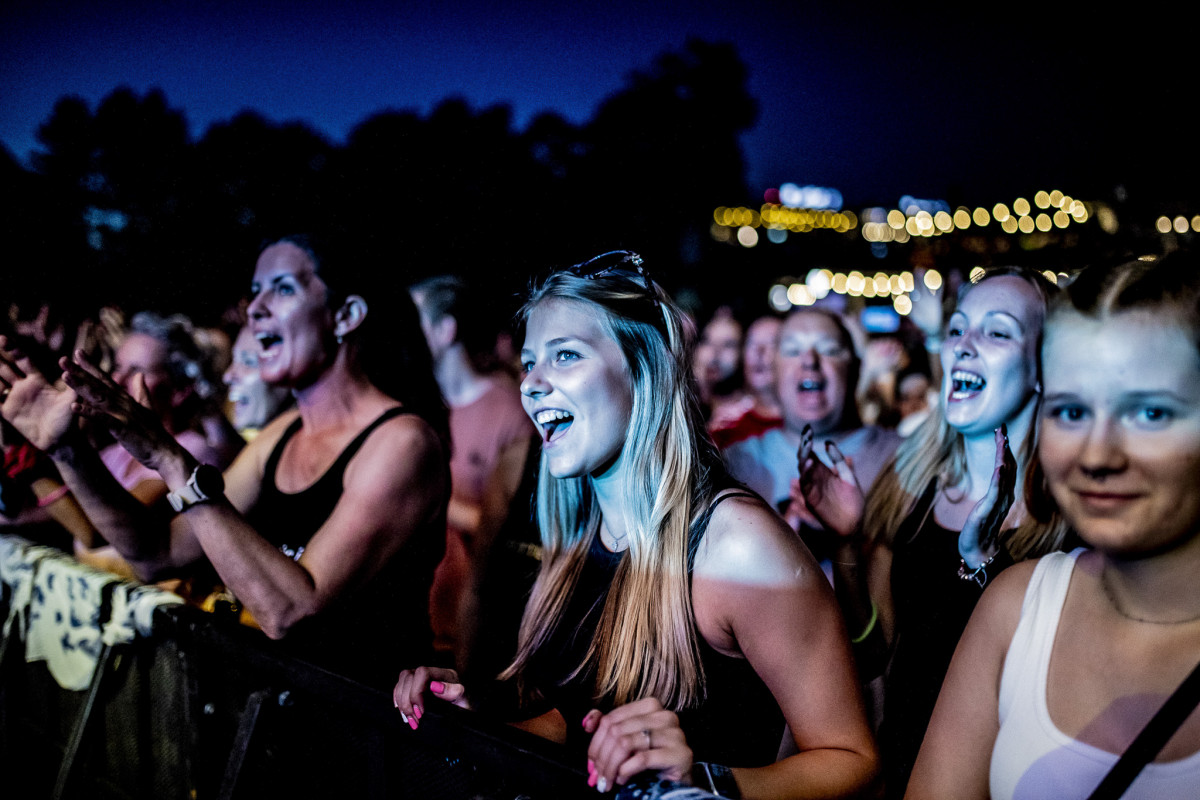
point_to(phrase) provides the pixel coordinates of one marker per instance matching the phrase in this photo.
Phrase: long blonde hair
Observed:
(935, 452)
(645, 643)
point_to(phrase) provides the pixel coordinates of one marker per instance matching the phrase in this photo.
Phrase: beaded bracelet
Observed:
(979, 574)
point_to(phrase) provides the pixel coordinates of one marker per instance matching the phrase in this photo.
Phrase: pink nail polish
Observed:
(592, 776)
(412, 723)
(417, 712)
(591, 765)
(437, 687)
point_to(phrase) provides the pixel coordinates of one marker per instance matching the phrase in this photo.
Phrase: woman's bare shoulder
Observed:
(747, 542)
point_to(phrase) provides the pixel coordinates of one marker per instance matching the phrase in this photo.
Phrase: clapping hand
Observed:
(136, 426)
(832, 495)
(42, 411)
(976, 542)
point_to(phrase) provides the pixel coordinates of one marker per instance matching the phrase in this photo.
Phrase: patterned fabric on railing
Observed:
(66, 612)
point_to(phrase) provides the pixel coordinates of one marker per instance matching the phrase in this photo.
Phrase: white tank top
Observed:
(1032, 758)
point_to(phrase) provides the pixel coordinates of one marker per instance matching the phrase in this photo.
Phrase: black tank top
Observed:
(377, 629)
(737, 723)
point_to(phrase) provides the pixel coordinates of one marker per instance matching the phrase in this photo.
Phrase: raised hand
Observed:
(134, 425)
(977, 541)
(40, 410)
(927, 309)
(410, 692)
(832, 495)
(632, 738)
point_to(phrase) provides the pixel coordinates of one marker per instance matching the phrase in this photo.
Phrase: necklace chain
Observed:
(615, 541)
(1112, 599)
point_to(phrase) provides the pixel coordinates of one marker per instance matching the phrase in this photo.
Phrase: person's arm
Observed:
(44, 412)
(392, 487)
(756, 590)
(956, 754)
(776, 604)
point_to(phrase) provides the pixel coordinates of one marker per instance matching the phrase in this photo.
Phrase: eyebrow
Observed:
(1137, 396)
(993, 313)
(276, 278)
(556, 342)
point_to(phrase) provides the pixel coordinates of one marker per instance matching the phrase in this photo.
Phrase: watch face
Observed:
(209, 480)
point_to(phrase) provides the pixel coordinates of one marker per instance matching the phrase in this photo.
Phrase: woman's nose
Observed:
(964, 347)
(532, 385)
(1102, 454)
(257, 308)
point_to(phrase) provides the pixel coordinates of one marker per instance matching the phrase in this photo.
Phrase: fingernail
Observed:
(602, 785)
(592, 779)
(437, 687)
(412, 723)
(404, 717)
(417, 712)
(591, 765)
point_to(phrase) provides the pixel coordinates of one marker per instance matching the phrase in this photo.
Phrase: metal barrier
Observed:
(199, 707)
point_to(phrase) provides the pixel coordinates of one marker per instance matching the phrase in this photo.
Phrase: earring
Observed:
(339, 338)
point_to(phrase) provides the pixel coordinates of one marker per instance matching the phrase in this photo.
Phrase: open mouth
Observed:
(553, 423)
(811, 385)
(266, 341)
(964, 384)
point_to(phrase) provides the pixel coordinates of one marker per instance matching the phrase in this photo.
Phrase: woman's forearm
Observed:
(138, 533)
(825, 773)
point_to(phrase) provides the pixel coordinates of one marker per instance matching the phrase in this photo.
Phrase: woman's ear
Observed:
(350, 315)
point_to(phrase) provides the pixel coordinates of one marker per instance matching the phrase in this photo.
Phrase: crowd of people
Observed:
(777, 557)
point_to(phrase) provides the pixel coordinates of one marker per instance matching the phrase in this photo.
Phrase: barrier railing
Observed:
(116, 690)
(193, 706)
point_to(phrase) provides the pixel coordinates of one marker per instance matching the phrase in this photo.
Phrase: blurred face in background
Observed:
(812, 372)
(254, 402)
(758, 354)
(719, 350)
(142, 354)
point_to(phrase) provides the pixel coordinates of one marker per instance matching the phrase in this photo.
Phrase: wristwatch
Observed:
(716, 779)
(205, 485)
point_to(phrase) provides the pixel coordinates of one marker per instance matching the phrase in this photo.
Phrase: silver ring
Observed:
(649, 741)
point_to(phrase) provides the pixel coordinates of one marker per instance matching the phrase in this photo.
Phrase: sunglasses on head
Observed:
(621, 263)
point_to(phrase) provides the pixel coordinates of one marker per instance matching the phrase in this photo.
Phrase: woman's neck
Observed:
(1160, 588)
(609, 489)
(333, 398)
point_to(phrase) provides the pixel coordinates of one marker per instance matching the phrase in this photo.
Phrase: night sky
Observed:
(876, 103)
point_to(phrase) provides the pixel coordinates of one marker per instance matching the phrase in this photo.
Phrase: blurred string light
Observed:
(1049, 210)
(778, 221)
(1178, 224)
(818, 283)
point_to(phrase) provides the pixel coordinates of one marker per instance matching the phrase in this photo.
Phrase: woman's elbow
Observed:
(279, 620)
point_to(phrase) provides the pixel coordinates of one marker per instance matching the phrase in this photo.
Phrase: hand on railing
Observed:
(632, 738)
(415, 686)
